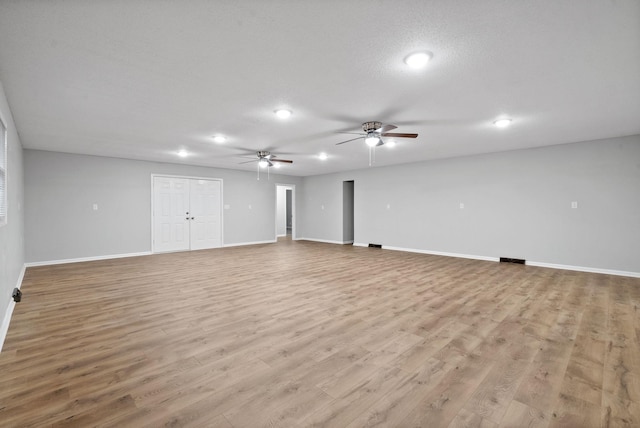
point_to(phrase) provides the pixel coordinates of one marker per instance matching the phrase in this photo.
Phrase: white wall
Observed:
(61, 189)
(12, 234)
(516, 204)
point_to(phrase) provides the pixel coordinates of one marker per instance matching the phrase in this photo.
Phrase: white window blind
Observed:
(3, 173)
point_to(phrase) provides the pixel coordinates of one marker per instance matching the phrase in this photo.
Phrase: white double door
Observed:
(187, 214)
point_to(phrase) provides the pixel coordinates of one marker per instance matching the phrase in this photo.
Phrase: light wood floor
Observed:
(309, 334)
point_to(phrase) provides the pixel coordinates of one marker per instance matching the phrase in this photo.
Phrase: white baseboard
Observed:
(528, 263)
(239, 244)
(4, 328)
(326, 241)
(360, 244)
(441, 253)
(87, 259)
(585, 269)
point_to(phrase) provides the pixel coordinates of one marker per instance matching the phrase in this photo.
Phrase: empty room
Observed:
(381, 213)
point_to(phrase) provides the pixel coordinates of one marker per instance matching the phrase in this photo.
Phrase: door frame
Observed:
(294, 219)
(189, 177)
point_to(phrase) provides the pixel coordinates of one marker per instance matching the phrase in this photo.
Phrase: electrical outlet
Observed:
(461, 206)
(574, 205)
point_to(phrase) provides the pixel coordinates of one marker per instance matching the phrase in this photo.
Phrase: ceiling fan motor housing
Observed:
(371, 126)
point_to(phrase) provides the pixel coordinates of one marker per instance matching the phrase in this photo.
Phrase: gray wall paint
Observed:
(322, 208)
(60, 223)
(12, 234)
(516, 204)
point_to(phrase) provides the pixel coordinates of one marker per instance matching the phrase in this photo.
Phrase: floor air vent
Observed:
(375, 246)
(510, 260)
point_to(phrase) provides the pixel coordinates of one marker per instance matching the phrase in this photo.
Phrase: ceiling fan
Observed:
(374, 131)
(266, 159)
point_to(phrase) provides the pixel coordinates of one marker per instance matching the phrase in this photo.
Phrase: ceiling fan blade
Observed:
(399, 135)
(386, 128)
(281, 160)
(380, 142)
(353, 139)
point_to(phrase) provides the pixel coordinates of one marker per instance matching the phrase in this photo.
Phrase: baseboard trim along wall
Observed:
(240, 244)
(4, 328)
(326, 241)
(585, 269)
(87, 259)
(440, 253)
(497, 259)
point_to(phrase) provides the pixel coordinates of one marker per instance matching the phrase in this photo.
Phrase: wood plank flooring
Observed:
(303, 334)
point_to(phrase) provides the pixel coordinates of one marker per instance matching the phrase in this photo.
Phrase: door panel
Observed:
(206, 203)
(170, 199)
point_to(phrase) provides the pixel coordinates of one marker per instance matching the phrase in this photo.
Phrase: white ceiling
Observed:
(143, 79)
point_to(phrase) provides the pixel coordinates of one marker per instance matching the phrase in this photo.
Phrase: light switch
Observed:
(227, 206)
(322, 207)
(461, 205)
(388, 206)
(249, 206)
(574, 204)
(95, 207)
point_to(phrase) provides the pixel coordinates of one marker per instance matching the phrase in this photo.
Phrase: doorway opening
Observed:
(285, 211)
(347, 212)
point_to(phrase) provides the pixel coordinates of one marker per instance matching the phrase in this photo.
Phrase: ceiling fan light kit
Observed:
(372, 139)
(373, 133)
(265, 159)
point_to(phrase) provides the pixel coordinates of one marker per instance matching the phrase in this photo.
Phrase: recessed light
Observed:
(183, 153)
(323, 156)
(502, 123)
(283, 113)
(418, 59)
(219, 139)
(390, 143)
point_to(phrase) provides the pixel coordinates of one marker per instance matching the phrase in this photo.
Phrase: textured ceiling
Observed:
(143, 79)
